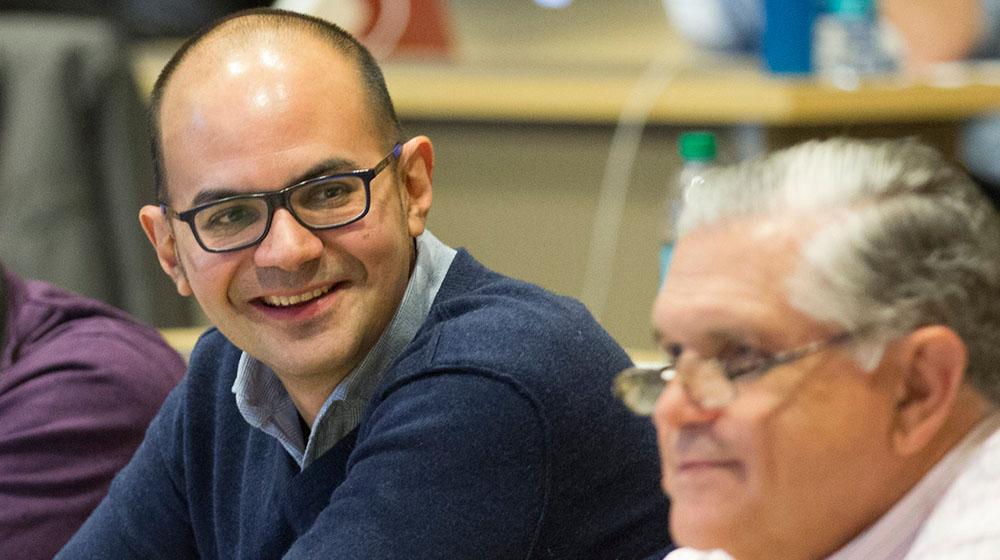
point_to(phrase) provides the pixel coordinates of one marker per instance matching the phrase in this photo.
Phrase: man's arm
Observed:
(73, 409)
(943, 30)
(452, 465)
(144, 515)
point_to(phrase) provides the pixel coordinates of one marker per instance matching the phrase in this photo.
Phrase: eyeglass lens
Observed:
(319, 204)
(703, 381)
(639, 387)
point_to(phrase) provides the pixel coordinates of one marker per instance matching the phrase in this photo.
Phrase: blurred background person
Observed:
(929, 32)
(74, 150)
(947, 31)
(79, 383)
(139, 18)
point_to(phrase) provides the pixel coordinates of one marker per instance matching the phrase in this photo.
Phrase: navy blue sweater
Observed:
(494, 435)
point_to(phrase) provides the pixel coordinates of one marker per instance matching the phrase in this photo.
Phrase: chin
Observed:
(701, 527)
(303, 358)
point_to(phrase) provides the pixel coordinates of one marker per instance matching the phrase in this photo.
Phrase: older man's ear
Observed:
(930, 386)
(157, 228)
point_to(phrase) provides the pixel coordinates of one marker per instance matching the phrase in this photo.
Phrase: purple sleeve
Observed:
(72, 412)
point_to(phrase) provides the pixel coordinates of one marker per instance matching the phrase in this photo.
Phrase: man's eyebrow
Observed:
(211, 195)
(328, 166)
(726, 335)
(714, 335)
(659, 338)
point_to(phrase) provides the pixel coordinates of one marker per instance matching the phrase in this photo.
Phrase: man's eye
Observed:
(329, 193)
(230, 217)
(742, 361)
(674, 351)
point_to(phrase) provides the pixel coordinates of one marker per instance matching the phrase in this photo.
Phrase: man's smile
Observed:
(285, 301)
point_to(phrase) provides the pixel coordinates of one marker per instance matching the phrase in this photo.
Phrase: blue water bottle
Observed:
(788, 35)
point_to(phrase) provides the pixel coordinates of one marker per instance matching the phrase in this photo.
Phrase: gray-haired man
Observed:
(833, 316)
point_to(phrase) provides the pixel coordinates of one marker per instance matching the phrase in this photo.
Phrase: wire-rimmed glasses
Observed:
(241, 221)
(709, 383)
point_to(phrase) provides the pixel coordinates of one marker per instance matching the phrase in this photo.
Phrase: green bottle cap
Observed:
(698, 146)
(852, 8)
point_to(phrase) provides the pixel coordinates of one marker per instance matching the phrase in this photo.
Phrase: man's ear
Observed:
(416, 169)
(158, 230)
(933, 361)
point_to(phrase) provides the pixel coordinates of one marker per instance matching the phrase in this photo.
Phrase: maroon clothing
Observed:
(79, 383)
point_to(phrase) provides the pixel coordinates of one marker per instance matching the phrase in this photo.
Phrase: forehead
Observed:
(232, 67)
(732, 278)
(235, 109)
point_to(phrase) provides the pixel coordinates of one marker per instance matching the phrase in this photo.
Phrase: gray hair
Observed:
(909, 241)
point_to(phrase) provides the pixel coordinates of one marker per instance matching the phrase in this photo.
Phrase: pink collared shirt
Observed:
(893, 536)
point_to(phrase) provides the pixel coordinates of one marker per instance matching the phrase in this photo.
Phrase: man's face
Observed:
(800, 461)
(271, 115)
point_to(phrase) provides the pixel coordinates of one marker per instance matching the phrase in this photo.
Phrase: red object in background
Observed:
(408, 29)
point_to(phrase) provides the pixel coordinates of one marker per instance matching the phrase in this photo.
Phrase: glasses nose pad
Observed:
(704, 381)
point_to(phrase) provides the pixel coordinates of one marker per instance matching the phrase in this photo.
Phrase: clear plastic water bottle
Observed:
(849, 43)
(697, 150)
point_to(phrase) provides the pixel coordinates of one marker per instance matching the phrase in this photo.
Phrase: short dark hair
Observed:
(258, 19)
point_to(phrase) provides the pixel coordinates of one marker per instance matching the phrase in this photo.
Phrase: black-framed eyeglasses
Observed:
(326, 202)
(710, 383)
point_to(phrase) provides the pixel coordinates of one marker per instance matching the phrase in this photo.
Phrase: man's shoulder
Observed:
(214, 360)
(485, 322)
(203, 401)
(38, 311)
(474, 293)
(50, 329)
(487, 308)
(212, 347)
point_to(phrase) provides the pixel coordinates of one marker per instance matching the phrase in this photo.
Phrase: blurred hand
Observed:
(936, 30)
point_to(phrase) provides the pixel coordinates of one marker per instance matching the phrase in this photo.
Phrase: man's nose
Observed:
(288, 244)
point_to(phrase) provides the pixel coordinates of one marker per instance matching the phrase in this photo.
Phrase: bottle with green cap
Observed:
(697, 150)
(849, 43)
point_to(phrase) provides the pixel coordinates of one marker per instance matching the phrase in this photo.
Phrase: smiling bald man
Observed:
(367, 391)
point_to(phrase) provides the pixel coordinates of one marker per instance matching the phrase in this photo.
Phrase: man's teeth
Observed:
(285, 301)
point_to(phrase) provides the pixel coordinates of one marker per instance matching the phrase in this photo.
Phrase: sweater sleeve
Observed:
(450, 465)
(145, 514)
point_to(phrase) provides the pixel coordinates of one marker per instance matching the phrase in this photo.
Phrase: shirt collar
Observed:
(891, 537)
(265, 404)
